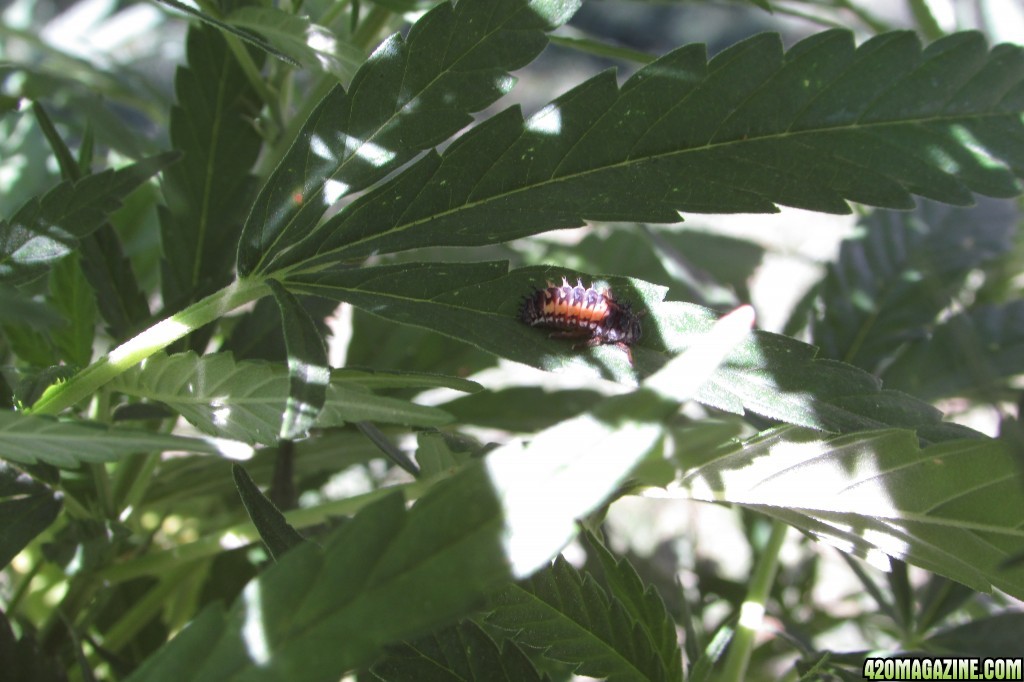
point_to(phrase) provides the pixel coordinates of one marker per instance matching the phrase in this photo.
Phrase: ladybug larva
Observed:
(578, 312)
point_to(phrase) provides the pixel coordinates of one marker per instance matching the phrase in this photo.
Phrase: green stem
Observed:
(752, 611)
(156, 338)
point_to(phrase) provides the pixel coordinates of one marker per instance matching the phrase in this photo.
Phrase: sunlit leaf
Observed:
(246, 400)
(767, 374)
(878, 494)
(412, 93)
(815, 127)
(29, 439)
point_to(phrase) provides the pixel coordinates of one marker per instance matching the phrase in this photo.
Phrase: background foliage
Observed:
(269, 412)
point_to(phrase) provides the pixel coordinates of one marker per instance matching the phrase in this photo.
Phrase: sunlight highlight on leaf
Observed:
(374, 154)
(547, 121)
(254, 632)
(334, 190)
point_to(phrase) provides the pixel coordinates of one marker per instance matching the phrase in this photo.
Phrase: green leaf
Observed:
(25, 656)
(308, 371)
(971, 353)
(812, 128)
(435, 455)
(206, 194)
(277, 534)
(19, 308)
(27, 508)
(243, 34)
(73, 298)
(771, 375)
(246, 400)
(68, 167)
(572, 619)
(47, 228)
(412, 93)
(454, 654)
(901, 271)
(304, 42)
(29, 439)
(644, 606)
(986, 637)
(388, 574)
(878, 492)
(256, 334)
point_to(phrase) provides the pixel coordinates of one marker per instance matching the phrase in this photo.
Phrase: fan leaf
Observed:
(29, 439)
(27, 508)
(205, 195)
(879, 491)
(412, 93)
(973, 352)
(309, 373)
(455, 654)
(767, 374)
(572, 619)
(246, 400)
(754, 127)
(47, 228)
(894, 279)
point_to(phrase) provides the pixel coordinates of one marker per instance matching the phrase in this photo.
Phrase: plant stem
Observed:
(156, 338)
(752, 612)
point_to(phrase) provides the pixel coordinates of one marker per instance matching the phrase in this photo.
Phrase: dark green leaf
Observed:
(975, 352)
(72, 297)
(18, 308)
(257, 335)
(47, 228)
(27, 508)
(813, 128)
(308, 371)
(247, 36)
(879, 492)
(900, 273)
(456, 654)
(571, 618)
(118, 294)
(305, 43)
(411, 94)
(388, 574)
(69, 169)
(205, 195)
(987, 637)
(644, 607)
(768, 374)
(277, 534)
(22, 660)
(391, 574)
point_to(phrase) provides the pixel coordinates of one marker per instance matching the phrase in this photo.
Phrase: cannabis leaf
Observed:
(814, 127)
(879, 491)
